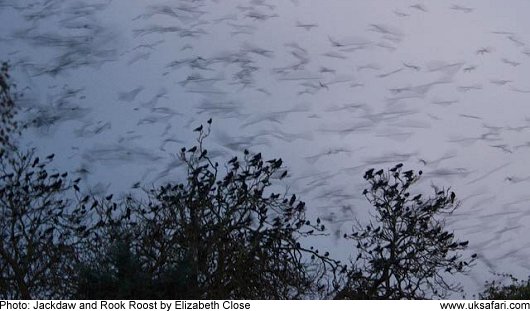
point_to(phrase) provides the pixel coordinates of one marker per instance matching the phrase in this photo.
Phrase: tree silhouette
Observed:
(406, 252)
(226, 232)
(39, 224)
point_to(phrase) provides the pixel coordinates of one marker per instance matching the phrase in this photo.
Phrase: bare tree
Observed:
(405, 252)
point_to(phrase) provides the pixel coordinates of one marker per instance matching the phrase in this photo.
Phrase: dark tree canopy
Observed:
(226, 232)
(516, 289)
(37, 248)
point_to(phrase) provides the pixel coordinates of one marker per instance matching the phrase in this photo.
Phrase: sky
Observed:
(332, 87)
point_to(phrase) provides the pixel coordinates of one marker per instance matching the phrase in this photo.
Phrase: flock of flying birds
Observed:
(333, 87)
